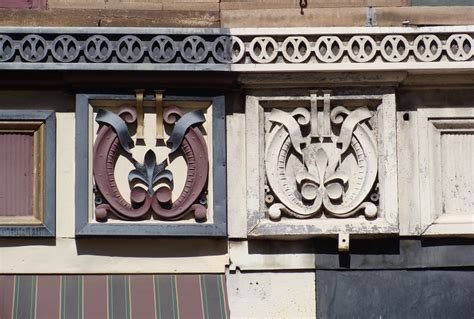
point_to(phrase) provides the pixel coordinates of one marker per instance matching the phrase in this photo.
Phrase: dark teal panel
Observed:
(395, 294)
(442, 2)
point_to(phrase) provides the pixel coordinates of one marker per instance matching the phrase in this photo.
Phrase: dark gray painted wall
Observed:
(427, 293)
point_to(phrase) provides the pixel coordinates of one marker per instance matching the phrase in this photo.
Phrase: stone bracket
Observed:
(343, 242)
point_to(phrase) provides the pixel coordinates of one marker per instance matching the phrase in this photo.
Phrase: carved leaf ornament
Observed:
(315, 172)
(151, 184)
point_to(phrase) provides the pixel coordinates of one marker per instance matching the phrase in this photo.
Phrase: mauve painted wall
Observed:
(23, 4)
(16, 175)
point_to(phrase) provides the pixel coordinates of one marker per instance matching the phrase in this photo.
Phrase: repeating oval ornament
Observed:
(228, 49)
(296, 49)
(361, 48)
(194, 49)
(129, 49)
(427, 47)
(460, 47)
(7, 48)
(394, 48)
(329, 49)
(162, 49)
(97, 48)
(33, 48)
(65, 48)
(263, 49)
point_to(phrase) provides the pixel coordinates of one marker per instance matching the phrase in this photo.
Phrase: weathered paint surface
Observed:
(277, 295)
(395, 294)
(16, 174)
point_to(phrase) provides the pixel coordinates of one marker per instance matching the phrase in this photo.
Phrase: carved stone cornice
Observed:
(238, 50)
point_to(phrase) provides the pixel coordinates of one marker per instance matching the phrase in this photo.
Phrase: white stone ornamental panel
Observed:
(321, 164)
(446, 170)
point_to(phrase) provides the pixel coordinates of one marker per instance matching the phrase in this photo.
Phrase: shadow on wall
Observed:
(151, 247)
(132, 247)
(396, 253)
(21, 242)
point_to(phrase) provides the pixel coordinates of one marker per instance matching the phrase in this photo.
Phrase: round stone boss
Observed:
(268, 49)
(423, 45)
(460, 47)
(162, 49)
(233, 49)
(334, 49)
(297, 43)
(97, 48)
(65, 48)
(6, 42)
(194, 49)
(33, 48)
(395, 42)
(129, 49)
(362, 42)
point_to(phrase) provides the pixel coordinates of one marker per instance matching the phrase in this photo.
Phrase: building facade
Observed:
(242, 159)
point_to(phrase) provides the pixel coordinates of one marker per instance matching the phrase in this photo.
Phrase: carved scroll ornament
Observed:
(151, 184)
(321, 163)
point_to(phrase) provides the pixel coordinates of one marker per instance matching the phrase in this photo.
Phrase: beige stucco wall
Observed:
(275, 295)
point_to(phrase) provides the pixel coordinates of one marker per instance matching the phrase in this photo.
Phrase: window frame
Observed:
(47, 225)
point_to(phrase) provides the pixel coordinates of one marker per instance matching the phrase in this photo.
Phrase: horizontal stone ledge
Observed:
(237, 50)
(109, 18)
(346, 16)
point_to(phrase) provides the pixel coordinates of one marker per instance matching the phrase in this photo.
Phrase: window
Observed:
(27, 172)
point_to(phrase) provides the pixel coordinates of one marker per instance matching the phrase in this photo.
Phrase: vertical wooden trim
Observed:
(38, 173)
(253, 122)
(140, 113)
(159, 114)
(82, 162)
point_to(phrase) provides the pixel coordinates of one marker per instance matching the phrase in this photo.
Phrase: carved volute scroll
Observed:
(321, 162)
(151, 183)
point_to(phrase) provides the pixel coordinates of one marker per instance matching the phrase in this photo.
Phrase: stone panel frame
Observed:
(432, 123)
(42, 123)
(259, 226)
(218, 228)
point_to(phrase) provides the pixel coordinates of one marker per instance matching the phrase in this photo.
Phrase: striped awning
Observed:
(113, 297)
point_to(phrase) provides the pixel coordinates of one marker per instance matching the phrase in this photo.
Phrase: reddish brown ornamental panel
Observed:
(16, 174)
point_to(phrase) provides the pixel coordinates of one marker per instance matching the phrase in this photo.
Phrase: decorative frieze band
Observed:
(238, 49)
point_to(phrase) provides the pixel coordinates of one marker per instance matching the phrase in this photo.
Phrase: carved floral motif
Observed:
(322, 162)
(151, 184)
